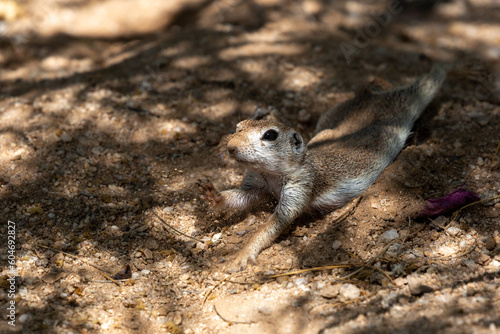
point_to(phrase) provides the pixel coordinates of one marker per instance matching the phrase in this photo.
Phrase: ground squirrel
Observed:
(352, 145)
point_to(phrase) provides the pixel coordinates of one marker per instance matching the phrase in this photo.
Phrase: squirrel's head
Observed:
(266, 146)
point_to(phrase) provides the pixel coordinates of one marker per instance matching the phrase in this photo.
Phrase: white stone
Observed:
(23, 291)
(350, 291)
(300, 281)
(66, 138)
(216, 237)
(453, 230)
(388, 236)
(336, 244)
(24, 318)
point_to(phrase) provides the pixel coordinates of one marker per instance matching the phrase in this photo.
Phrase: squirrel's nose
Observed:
(232, 150)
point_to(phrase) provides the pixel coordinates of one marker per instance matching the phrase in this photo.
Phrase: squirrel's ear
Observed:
(297, 142)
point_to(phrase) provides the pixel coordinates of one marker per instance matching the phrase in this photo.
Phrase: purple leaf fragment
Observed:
(454, 200)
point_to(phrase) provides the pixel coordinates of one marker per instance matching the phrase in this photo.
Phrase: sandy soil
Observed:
(102, 137)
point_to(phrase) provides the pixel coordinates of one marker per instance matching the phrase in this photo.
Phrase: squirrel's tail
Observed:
(428, 85)
(423, 91)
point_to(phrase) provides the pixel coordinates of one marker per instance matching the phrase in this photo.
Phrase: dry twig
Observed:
(103, 271)
(176, 230)
(457, 213)
(494, 155)
(229, 321)
(213, 288)
(290, 273)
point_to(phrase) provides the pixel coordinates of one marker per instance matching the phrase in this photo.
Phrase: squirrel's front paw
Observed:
(240, 262)
(208, 192)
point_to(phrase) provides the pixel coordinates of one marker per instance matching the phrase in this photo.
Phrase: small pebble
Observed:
(148, 253)
(349, 291)
(416, 287)
(23, 291)
(151, 243)
(162, 311)
(375, 204)
(388, 236)
(490, 243)
(23, 318)
(483, 259)
(177, 318)
(330, 291)
(300, 281)
(216, 237)
(389, 300)
(66, 138)
(336, 244)
(453, 230)
(394, 249)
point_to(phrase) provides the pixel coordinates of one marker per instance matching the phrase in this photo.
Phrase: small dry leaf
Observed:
(35, 209)
(78, 291)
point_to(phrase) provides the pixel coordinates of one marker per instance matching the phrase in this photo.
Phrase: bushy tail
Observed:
(417, 96)
(424, 90)
(429, 84)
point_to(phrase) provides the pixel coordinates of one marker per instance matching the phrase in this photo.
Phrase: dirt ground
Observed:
(103, 135)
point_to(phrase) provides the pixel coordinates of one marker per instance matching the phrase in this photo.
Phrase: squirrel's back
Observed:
(357, 139)
(403, 105)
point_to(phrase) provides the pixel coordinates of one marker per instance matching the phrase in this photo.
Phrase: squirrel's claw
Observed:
(208, 192)
(240, 262)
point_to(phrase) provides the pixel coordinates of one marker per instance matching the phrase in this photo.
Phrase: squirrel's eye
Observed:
(270, 135)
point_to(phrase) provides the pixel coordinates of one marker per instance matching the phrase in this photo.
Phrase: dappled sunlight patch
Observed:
(11, 148)
(57, 102)
(174, 128)
(15, 115)
(14, 152)
(178, 50)
(191, 62)
(261, 50)
(63, 65)
(257, 69)
(222, 109)
(477, 32)
(478, 37)
(299, 78)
